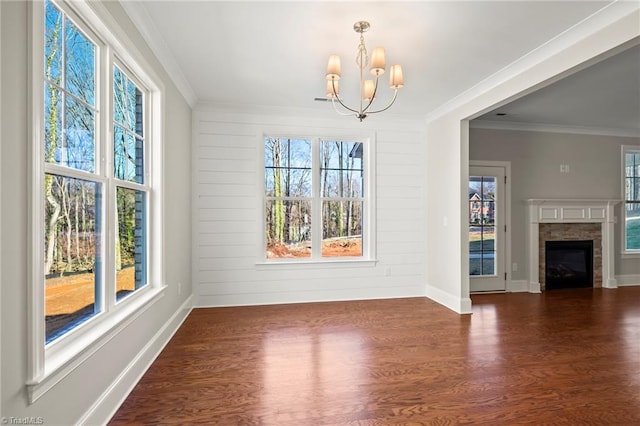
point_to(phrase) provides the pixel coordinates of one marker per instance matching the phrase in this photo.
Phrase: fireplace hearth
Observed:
(568, 264)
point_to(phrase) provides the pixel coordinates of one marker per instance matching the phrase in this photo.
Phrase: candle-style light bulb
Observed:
(396, 79)
(377, 61)
(333, 68)
(368, 90)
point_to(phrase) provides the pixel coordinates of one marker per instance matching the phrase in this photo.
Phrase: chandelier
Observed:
(368, 88)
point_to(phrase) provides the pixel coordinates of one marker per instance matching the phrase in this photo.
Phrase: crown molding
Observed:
(553, 128)
(140, 17)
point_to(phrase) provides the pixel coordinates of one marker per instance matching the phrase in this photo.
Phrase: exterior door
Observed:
(487, 269)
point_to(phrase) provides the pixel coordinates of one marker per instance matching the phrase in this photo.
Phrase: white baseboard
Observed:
(456, 304)
(628, 280)
(534, 288)
(108, 403)
(518, 286)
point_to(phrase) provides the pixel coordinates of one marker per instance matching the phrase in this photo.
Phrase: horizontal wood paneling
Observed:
(227, 231)
(206, 177)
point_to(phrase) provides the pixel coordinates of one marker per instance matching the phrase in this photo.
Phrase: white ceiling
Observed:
(275, 53)
(603, 98)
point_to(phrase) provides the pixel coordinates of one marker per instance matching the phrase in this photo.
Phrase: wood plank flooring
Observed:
(565, 357)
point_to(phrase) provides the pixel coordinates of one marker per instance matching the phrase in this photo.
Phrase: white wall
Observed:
(228, 211)
(94, 389)
(448, 142)
(535, 159)
(447, 179)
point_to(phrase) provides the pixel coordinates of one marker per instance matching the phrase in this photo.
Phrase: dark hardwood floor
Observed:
(565, 357)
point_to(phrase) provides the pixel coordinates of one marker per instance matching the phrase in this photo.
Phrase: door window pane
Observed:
(482, 230)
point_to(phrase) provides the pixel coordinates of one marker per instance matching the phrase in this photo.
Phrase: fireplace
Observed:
(568, 264)
(567, 234)
(571, 220)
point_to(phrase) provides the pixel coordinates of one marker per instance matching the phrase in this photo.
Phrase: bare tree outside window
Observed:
(288, 197)
(342, 196)
(295, 216)
(128, 154)
(74, 187)
(72, 214)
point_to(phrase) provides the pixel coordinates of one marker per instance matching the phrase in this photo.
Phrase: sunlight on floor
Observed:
(302, 368)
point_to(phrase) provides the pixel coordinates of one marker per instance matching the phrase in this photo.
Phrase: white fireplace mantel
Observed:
(572, 211)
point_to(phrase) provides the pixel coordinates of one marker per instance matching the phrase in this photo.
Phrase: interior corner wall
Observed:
(92, 391)
(228, 229)
(447, 281)
(448, 144)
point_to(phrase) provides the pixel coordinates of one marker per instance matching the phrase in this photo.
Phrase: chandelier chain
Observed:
(362, 53)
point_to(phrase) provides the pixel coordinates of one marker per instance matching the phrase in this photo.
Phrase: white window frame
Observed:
(626, 253)
(368, 141)
(1, 238)
(50, 363)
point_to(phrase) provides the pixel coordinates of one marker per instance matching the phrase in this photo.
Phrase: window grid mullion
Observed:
(316, 203)
(68, 94)
(128, 131)
(106, 151)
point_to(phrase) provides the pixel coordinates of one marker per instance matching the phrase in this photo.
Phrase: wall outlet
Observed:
(387, 271)
(179, 289)
(514, 267)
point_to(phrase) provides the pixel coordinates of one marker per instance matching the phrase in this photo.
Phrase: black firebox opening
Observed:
(568, 264)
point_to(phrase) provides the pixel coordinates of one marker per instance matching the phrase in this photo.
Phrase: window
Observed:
(96, 197)
(316, 202)
(72, 188)
(131, 190)
(631, 207)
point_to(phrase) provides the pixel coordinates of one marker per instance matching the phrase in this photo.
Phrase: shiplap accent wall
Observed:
(227, 225)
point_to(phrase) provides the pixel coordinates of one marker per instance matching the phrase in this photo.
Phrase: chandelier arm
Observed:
(395, 95)
(335, 107)
(336, 96)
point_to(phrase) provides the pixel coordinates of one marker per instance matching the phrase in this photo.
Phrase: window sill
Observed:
(58, 364)
(630, 255)
(315, 263)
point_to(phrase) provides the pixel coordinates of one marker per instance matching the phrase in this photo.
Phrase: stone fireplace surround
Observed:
(572, 219)
(567, 232)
